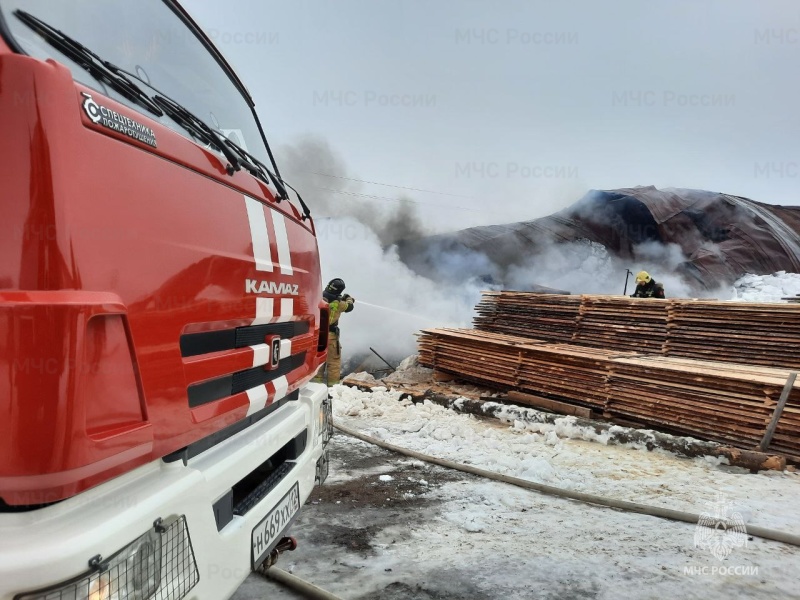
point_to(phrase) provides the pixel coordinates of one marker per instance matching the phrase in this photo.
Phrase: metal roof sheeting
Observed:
(722, 236)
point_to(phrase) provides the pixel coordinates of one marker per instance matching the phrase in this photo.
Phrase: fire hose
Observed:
(315, 593)
(301, 586)
(644, 509)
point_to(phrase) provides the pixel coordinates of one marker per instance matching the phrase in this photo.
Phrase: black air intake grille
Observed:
(244, 380)
(193, 344)
(222, 387)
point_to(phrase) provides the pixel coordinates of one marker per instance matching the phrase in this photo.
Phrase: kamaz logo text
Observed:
(253, 286)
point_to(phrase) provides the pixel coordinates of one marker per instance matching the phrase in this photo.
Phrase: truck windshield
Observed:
(147, 39)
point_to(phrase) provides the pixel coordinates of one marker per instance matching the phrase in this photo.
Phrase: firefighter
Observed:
(647, 287)
(337, 304)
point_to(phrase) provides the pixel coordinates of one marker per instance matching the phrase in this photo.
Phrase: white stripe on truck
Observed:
(259, 234)
(258, 397)
(286, 312)
(262, 354)
(265, 308)
(281, 384)
(282, 238)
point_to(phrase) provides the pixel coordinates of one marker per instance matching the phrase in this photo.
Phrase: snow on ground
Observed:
(461, 537)
(529, 545)
(570, 457)
(393, 528)
(767, 288)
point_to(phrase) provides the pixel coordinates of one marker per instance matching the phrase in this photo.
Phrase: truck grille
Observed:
(205, 342)
(235, 383)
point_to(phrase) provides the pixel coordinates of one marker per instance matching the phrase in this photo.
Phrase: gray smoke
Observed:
(312, 166)
(401, 286)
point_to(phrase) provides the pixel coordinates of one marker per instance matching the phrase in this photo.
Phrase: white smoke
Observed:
(581, 267)
(392, 302)
(586, 267)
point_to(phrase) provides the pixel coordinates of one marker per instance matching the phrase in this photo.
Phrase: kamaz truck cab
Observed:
(161, 313)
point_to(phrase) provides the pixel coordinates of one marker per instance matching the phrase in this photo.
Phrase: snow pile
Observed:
(566, 455)
(766, 288)
(410, 371)
(438, 431)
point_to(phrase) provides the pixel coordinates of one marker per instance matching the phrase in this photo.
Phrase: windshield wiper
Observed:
(202, 131)
(199, 129)
(257, 168)
(268, 175)
(100, 69)
(306, 210)
(251, 161)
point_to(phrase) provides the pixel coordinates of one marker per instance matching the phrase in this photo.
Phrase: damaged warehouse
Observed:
(707, 239)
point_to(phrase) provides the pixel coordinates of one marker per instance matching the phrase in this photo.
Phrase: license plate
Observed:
(265, 534)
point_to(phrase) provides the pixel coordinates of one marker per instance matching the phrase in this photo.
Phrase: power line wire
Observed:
(401, 187)
(426, 204)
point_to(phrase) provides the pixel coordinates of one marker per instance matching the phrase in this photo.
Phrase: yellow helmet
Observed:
(642, 277)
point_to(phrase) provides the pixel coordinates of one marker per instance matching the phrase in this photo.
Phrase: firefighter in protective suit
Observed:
(647, 287)
(337, 304)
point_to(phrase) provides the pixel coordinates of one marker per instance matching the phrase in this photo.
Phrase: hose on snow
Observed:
(301, 586)
(644, 509)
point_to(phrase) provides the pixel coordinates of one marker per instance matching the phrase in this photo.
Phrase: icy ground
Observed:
(387, 527)
(563, 455)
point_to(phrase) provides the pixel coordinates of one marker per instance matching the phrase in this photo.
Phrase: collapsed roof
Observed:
(721, 237)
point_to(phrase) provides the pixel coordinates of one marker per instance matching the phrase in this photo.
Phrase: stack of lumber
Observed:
(748, 333)
(571, 372)
(549, 317)
(487, 358)
(621, 323)
(722, 402)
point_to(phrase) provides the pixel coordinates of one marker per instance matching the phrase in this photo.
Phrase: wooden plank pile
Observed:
(747, 333)
(549, 317)
(722, 402)
(486, 358)
(765, 334)
(571, 372)
(730, 403)
(622, 323)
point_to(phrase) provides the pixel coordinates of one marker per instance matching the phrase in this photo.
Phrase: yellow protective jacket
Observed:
(336, 308)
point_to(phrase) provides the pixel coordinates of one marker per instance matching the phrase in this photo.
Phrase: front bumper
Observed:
(51, 545)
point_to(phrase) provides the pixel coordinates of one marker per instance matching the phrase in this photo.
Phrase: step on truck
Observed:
(160, 312)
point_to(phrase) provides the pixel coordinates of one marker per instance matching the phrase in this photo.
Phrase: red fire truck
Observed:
(160, 312)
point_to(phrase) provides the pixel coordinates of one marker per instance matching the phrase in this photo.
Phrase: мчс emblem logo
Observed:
(720, 530)
(115, 121)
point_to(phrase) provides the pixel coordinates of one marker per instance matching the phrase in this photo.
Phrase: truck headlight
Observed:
(158, 564)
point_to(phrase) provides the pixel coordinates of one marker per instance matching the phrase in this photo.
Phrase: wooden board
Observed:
(553, 405)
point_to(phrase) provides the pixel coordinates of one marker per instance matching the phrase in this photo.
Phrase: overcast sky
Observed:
(512, 109)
